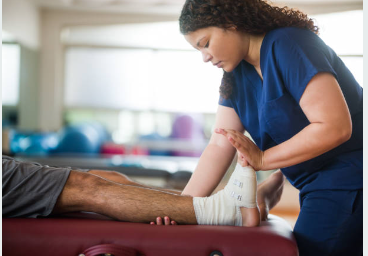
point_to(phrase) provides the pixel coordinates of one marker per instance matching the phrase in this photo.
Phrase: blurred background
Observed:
(112, 84)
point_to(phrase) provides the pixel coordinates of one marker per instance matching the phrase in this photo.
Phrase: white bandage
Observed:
(223, 208)
(242, 186)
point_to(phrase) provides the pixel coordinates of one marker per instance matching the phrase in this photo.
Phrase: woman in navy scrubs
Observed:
(301, 105)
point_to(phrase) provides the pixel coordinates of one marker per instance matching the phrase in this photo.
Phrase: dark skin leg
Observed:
(89, 192)
(115, 195)
(268, 193)
(125, 180)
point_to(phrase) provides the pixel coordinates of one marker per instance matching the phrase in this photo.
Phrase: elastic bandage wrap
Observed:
(223, 208)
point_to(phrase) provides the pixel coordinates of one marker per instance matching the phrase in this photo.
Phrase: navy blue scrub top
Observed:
(269, 110)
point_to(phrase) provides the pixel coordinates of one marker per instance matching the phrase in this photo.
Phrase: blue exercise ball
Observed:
(40, 143)
(86, 138)
(32, 143)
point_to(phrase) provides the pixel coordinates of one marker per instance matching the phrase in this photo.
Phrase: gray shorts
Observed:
(31, 189)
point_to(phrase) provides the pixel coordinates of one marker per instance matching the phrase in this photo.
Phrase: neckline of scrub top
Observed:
(255, 78)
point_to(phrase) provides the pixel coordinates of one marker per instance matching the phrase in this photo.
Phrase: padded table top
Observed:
(72, 235)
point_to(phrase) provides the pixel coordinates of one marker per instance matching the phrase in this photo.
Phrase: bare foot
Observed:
(250, 216)
(269, 193)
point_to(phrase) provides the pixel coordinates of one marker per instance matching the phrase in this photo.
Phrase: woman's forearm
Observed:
(312, 141)
(213, 164)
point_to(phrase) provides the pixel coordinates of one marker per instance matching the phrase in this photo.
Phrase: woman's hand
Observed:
(249, 153)
(166, 222)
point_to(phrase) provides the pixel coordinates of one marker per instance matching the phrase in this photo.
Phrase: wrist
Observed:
(265, 166)
(271, 160)
(259, 165)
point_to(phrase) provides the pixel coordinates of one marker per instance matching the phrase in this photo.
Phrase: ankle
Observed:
(251, 217)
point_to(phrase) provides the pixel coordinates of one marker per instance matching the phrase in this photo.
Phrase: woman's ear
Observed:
(229, 27)
(232, 28)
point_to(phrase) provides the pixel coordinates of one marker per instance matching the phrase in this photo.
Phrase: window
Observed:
(343, 32)
(136, 78)
(140, 79)
(131, 70)
(10, 74)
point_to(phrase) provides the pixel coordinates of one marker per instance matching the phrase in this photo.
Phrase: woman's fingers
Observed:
(220, 131)
(237, 143)
(252, 154)
(166, 221)
(241, 159)
(224, 131)
(159, 221)
(231, 133)
(169, 222)
(237, 139)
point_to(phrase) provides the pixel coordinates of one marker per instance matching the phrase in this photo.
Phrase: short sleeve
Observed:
(225, 102)
(299, 57)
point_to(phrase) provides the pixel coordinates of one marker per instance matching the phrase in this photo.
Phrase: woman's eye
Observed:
(207, 44)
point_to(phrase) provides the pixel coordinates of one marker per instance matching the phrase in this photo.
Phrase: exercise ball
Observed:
(188, 128)
(85, 138)
(32, 143)
(40, 143)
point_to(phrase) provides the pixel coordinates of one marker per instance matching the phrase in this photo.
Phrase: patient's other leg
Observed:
(269, 193)
(123, 179)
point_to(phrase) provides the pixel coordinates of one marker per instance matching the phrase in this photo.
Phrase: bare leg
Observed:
(88, 192)
(269, 193)
(251, 216)
(123, 179)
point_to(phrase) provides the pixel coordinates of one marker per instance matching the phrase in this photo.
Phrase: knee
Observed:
(77, 192)
(80, 181)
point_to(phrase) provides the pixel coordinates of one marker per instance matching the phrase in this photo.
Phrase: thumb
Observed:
(241, 160)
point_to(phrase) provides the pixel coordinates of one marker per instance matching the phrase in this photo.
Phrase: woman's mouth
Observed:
(218, 64)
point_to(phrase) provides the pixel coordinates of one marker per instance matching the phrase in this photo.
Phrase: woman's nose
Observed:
(206, 56)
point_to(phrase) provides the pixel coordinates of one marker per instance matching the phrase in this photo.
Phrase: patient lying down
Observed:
(115, 195)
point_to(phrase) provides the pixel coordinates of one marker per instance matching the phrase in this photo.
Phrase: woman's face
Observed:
(224, 48)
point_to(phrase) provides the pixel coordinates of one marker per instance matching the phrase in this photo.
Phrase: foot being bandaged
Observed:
(223, 208)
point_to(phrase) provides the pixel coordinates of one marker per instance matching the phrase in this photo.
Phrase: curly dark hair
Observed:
(250, 16)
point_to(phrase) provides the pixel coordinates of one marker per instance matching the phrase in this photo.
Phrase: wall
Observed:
(29, 99)
(318, 7)
(52, 57)
(22, 20)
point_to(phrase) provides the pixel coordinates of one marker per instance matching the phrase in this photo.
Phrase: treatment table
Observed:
(90, 234)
